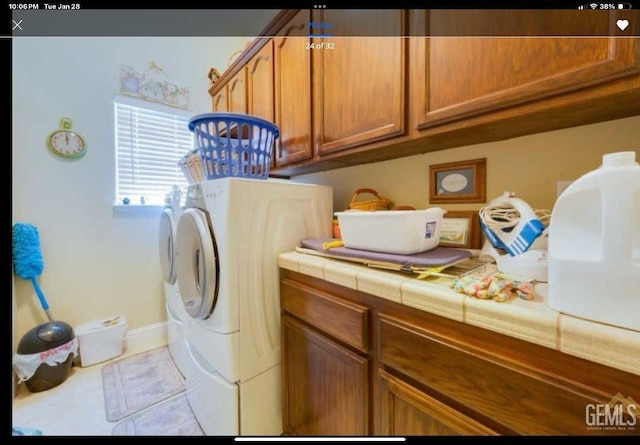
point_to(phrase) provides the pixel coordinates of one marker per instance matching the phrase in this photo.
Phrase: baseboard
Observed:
(145, 338)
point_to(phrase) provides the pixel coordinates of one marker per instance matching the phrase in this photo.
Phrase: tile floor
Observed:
(73, 408)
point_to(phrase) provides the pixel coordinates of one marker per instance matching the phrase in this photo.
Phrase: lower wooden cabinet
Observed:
(326, 390)
(355, 364)
(407, 411)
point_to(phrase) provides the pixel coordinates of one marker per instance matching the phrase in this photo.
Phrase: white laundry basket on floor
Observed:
(102, 340)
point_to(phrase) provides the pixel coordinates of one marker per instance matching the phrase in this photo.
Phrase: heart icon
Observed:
(622, 24)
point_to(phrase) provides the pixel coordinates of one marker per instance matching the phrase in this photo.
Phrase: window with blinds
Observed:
(149, 143)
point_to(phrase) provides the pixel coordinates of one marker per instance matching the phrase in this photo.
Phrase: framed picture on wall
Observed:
(461, 229)
(458, 182)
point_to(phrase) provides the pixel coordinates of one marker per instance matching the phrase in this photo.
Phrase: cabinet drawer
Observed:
(340, 319)
(492, 387)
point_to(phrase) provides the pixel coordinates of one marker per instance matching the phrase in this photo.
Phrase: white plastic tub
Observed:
(101, 340)
(391, 231)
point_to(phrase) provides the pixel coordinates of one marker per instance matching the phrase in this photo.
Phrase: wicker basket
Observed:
(191, 165)
(379, 203)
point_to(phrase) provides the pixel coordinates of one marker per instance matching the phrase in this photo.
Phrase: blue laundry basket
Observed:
(234, 144)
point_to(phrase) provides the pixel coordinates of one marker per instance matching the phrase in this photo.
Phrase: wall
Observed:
(529, 165)
(96, 264)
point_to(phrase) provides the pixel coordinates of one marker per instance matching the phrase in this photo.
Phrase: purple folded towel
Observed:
(435, 257)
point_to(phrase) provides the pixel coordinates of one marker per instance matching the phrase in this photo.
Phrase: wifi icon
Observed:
(593, 5)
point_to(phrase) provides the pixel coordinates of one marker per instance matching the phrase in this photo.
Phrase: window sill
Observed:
(136, 209)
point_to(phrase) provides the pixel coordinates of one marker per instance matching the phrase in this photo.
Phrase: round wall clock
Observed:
(64, 142)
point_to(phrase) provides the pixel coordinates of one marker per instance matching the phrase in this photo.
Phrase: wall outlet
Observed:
(560, 186)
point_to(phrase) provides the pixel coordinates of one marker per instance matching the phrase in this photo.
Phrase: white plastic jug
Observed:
(594, 244)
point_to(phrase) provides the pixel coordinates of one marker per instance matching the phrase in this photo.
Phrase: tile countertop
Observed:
(531, 320)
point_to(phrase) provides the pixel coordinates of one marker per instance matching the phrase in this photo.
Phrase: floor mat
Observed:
(140, 381)
(172, 417)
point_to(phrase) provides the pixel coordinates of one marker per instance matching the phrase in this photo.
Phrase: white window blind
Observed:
(149, 144)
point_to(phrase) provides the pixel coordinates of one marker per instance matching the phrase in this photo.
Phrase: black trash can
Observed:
(46, 337)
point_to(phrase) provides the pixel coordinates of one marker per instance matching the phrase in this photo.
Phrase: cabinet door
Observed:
(407, 411)
(219, 101)
(460, 77)
(260, 91)
(238, 92)
(293, 91)
(359, 80)
(260, 75)
(325, 385)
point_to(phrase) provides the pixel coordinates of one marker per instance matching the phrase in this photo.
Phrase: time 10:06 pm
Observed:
(323, 45)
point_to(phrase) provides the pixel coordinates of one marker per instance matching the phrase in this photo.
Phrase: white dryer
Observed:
(228, 240)
(176, 313)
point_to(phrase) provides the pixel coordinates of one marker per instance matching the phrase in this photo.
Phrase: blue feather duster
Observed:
(27, 258)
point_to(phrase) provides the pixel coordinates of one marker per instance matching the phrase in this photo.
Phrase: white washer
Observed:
(176, 313)
(228, 240)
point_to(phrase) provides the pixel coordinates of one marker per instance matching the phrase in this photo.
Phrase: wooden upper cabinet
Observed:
(260, 90)
(237, 90)
(219, 101)
(359, 80)
(461, 77)
(376, 85)
(292, 68)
